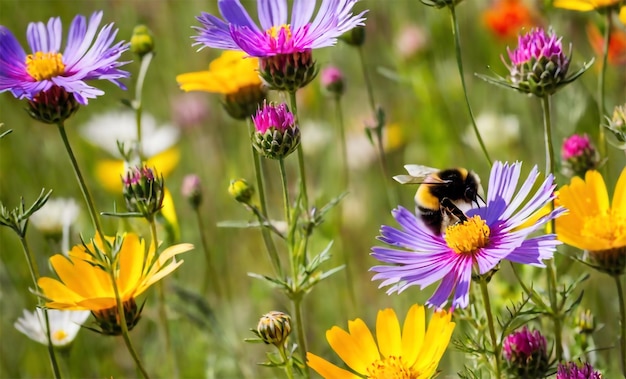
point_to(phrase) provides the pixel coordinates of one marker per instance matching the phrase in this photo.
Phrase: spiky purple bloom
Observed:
(277, 34)
(537, 44)
(571, 370)
(526, 354)
(500, 230)
(273, 116)
(84, 58)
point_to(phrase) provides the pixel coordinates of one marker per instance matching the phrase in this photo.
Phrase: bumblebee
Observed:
(443, 196)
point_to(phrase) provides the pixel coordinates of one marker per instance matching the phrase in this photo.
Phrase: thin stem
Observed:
(267, 238)
(547, 134)
(622, 313)
(459, 62)
(492, 331)
(601, 83)
(286, 361)
(283, 180)
(366, 79)
(305, 197)
(138, 105)
(297, 304)
(163, 307)
(81, 181)
(124, 326)
(210, 274)
(34, 273)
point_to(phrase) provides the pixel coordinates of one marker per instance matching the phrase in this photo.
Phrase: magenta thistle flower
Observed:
(578, 155)
(499, 230)
(277, 134)
(571, 370)
(283, 45)
(526, 354)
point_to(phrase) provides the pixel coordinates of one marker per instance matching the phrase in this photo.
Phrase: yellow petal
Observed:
(165, 162)
(98, 303)
(349, 349)
(413, 334)
(575, 5)
(150, 280)
(388, 333)
(168, 211)
(328, 370)
(82, 277)
(166, 255)
(109, 173)
(131, 259)
(58, 293)
(619, 196)
(435, 343)
(622, 15)
(598, 197)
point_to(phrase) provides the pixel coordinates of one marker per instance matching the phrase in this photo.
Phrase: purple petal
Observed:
(235, 13)
(12, 57)
(534, 250)
(76, 49)
(301, 13)
(215, 34)
(273, 12)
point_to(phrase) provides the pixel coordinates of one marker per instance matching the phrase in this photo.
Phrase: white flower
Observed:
(105, 130)
(497, 131)
(64, 325)
(56, 215)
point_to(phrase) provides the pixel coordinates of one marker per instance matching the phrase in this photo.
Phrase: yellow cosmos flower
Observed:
(585, 5)
(592, 224)
(412, 354)
(227, 74)
(84, 285)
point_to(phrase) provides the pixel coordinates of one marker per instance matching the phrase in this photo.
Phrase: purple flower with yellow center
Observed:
(89, 54)
(495, 231)
(277, 134)
(284, 46)
(538, 65)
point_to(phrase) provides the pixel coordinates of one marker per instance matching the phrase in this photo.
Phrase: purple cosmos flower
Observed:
(497, 231)
(27, 75)
(571, 370)
(277, 34)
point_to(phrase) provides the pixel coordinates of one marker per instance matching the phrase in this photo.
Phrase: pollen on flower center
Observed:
(43, 66)
(275, 31)
(391, 368)
(605, 226)
(468, 236)
(59, 335)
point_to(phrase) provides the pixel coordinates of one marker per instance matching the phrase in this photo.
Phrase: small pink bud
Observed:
(575, 146)
(332, 80)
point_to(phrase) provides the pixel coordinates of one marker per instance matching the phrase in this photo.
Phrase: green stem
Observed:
(124, 326)
(162, 306)
(366, 79)
(283, 180)
(81, 181)
(286, 362)
(34, 273)
(622, 313)
(305, 197)
(601, 84)
(492, 331)
(138, 105)
(459, 62)
(547, 134)
(267, 238)
(210, 274)
(297, 304)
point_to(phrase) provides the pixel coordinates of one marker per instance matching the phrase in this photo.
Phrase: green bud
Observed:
(142, 41)
(241, 191)
(274, 328)
(354, 36)
(143, 191)
(53, 106)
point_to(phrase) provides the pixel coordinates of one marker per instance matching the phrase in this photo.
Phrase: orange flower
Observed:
(617, 44)
(505, 18)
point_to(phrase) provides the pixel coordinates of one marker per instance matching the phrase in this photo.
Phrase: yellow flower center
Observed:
(44, 65)
(391, 368)
(469, 236)
(59, 335)
(606, 226)
(275, 30)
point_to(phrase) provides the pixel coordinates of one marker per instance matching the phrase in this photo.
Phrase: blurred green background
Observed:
(422, 96)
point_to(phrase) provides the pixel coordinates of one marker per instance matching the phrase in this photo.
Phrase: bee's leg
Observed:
(448, 206)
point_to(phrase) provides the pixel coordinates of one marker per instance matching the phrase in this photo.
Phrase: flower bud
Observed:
(192, 190)
(142, 41)
(617, 126)
(354, 36)
(571, 370)
(277, 134)
(53, 106)
(241, 191)
(585, 322)
(288, 72)
(109, 319)
(579, 155)
(143, 191)
(526, 354)
(332, 80)
(274, 328)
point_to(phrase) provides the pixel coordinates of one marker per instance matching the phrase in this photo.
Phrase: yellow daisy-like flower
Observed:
(411, 354)
(86, 285)
(227, 74)
(236, 77)
(592, 224)
(585, 5)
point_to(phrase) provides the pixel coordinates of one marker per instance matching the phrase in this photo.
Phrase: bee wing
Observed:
(418, 174)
